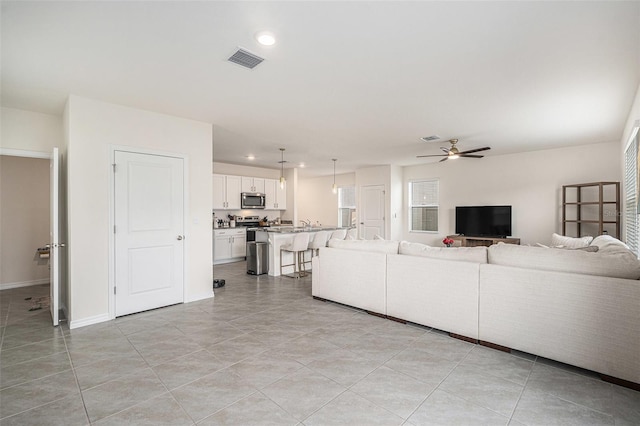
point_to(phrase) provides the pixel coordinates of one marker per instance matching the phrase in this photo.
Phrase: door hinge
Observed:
(114, 229)
(114, 289)
(114, 167)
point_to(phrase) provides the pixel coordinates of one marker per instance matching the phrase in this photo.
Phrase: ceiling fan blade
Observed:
(434, 155)
(444, 159)
(471, 156)
(475, 150)
(445, 150)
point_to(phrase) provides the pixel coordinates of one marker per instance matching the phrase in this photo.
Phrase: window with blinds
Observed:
(630, 195)
(347, 206)
(423, 205)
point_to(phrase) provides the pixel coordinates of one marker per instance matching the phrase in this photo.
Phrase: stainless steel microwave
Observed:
(252, 200)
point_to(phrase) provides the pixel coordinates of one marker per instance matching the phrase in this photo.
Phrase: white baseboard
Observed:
(89, 321)
(196, 297)
(7, 286)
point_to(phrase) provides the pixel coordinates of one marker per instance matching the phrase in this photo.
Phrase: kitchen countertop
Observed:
(295, 229)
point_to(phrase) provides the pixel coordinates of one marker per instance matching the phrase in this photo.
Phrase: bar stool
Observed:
(339, 234)
(319, 240)
(297, 247)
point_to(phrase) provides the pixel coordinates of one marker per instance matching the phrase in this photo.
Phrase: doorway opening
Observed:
(25, 226)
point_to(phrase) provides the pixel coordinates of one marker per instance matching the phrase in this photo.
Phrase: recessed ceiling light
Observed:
(250, 157)
(266, 38)
(302, 165)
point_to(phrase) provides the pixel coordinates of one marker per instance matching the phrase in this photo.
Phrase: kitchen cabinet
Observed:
(275, 197)
(226, 192)
(229, 244)
(281, 196)
(250, 184)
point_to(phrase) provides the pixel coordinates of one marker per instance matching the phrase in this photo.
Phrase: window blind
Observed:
(424, 193)
(630, 194)
(424, 205)
(347, 197)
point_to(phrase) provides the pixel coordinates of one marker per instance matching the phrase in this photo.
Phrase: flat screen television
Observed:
(483, 221)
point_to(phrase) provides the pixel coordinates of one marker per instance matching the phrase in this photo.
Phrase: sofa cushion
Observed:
(376, 246)
(570, 242)
(604, 242)
(464, 254)
(613, 263)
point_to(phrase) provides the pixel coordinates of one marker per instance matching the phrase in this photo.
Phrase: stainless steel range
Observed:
(250, 222)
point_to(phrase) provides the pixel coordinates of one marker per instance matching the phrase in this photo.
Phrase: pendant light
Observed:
(334, 188)
(282, 179)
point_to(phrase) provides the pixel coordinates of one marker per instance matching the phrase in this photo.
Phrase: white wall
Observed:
(24, 220)
(531, 182)
(396, 206)
(30, 131)
(316, 200)
(93, 127)
(633, 121)
(234, 169)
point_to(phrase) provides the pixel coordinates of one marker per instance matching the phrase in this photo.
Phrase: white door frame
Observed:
(55, 303)
(54, 236)
(112, 219)
(23, 153)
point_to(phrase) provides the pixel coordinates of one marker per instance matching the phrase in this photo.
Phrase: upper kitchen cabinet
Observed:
(226, 192)
(275, 197)
(250, 184)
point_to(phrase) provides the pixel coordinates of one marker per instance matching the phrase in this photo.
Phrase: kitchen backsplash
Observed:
(224, 214)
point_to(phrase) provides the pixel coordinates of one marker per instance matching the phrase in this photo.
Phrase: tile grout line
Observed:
(524, 388)
(75, 376)
(573, 373)
(438, 385)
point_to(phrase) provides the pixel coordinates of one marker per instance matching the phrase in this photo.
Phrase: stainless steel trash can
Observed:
(257, 258)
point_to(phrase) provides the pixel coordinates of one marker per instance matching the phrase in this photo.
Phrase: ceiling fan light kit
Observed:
(453, 152)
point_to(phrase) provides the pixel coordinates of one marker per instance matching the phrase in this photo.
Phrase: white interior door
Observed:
(149, 231)
(54, 236)
(372, 212)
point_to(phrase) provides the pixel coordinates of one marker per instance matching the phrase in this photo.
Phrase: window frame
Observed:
(411, 206)
(352, 209)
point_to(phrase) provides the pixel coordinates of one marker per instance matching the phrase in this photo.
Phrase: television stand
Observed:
(466, 241)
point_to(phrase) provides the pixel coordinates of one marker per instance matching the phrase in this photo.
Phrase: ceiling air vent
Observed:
(430, 138)
(246, 59)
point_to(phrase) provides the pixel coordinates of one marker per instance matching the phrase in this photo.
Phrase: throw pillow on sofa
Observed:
(464, 254)
(570, 242)
(605, 241)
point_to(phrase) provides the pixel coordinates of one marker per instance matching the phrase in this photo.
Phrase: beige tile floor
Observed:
(263, 352)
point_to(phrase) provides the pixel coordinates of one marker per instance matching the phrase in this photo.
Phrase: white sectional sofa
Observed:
(577, 307)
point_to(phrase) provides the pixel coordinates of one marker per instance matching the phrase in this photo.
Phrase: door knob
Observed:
(180, 237)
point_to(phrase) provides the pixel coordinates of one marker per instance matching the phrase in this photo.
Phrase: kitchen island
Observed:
(278, 236)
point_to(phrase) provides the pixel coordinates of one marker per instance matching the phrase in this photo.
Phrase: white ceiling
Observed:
(356, 81)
